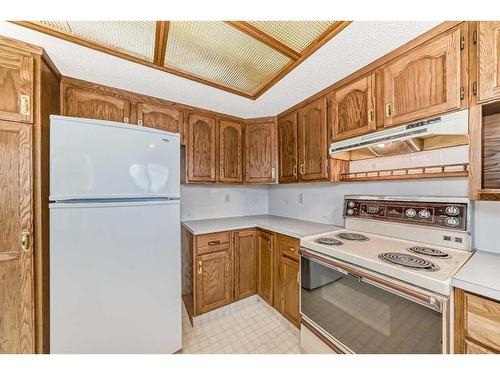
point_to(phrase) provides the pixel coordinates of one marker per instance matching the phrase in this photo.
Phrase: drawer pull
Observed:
(292, 249)
(213, 243)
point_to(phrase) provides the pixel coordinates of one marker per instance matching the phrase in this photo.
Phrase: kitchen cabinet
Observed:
(16, 84)
(313, 141)
(352, 108)
(260, 151)
(245, 264)
(93, 103)
(161, 117)
(425, 81)
(287, 148)
(201, 148)
(290, 290)
(17, 324)
(488, 54)
(230, 151)
(477, 324)
(265, 271)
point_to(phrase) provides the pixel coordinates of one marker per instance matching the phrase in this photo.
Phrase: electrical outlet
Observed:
(301, 198)
(227, 198)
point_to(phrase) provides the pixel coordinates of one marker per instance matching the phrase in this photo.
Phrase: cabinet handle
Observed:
(221, 172)
(302, 169)
(273, 173)
(294, 170)
(25, 241)
(370, 115)
(212, 173)
(139, 122)
(125, 120)
(25, 104)
(298, 277)
(292, 249)
(213, 243)
(200, 267)
(388, 110)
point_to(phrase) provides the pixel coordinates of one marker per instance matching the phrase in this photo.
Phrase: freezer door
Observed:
(103, 159)
(115, 279)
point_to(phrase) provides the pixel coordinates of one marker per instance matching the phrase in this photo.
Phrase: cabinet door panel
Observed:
(489, 60)
(287, 148)
(87, 103)
(353, 109)
(290, 290)
(16, 250)
(260, 151)
(230, 151)
(214, 283)
(245, 255)
(160, 117)
(313, 142)
(16, 85)
(201, 149)
(425, 81)
(265, 266)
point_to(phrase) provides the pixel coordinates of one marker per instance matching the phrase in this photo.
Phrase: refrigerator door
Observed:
(115, 279)
(91, 159)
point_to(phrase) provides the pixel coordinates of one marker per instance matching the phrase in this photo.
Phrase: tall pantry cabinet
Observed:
(29, 93)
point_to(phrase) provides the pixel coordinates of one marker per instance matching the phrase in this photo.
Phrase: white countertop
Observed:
(284, 225)
(480, 275)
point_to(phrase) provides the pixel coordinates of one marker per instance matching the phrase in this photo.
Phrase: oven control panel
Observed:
(443, 215)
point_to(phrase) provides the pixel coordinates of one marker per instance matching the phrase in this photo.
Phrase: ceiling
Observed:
(354, 47)
(242, 57)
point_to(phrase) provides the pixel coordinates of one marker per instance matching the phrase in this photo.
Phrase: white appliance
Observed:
(386, 277)
(115, 279)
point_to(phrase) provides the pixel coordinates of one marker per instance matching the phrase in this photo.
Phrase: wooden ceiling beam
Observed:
(262, 37)
(161, 37)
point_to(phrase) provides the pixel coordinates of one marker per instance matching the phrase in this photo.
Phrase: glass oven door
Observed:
(367, 317)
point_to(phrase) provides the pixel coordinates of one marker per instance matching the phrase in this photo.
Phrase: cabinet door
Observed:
(489, 60)
(230, 151)
(423, 82)
(201, 149)
(353, 109)
(260, 152)
(287, 148)
(214, 281)
(16, 250)
(160, 117)
(285, 247)
(290, 290)
(245, 261)
(88, 103)
(313, 143)
(16, 85)
(265, 266)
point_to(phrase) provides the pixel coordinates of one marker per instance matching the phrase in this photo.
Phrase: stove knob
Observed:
(424, 214)
(350, 211)
(410, 212)
(452, 221)
(452, 210)
(351, 204)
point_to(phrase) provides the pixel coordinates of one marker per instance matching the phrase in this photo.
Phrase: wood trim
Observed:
(161, 37)
(436, 31)
(256, 33)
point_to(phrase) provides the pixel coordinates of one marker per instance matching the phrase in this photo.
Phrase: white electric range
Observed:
(387, 274)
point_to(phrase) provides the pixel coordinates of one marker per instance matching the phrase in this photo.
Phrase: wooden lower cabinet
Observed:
(289, 272)
(245, 263)
(477, 324)
(265, 268)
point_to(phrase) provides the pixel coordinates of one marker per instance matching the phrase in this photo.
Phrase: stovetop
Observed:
(433, 266)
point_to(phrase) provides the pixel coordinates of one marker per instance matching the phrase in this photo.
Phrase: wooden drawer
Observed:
(289, 247)
(482, 321)
(212, 242)
(473, 348)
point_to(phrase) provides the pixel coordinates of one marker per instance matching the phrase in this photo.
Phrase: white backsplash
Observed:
(209, 201)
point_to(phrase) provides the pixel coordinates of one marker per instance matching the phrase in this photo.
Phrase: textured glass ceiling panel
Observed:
(297, 35)
(135, 37)
(219, 53)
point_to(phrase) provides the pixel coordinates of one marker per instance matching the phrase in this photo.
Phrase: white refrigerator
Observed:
(115, 278)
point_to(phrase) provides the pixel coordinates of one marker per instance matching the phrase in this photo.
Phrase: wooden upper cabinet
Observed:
(245, 264)
(95, 104)
(16, 85)
(287, 148)
(352, 109)
(230, 151)
(313, 141)
(489, 60)
(160, 117)
(201, 148)
(260, 151)
(265, 271)
(16, 245)
(425, 81)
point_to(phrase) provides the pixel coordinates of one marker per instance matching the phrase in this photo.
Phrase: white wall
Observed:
(487, 225)
(209, 201)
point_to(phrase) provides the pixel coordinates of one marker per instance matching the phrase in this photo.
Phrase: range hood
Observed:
(436, 132)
